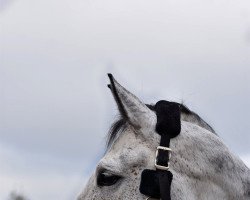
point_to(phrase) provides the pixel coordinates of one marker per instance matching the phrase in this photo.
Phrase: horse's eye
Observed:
(106, 179)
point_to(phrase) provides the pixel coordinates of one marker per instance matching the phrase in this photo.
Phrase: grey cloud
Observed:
(55, 55)
(4, 4)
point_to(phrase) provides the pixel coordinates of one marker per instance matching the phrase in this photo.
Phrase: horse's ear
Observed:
(130, 107)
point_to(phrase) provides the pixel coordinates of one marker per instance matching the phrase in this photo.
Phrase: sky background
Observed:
(55, 108)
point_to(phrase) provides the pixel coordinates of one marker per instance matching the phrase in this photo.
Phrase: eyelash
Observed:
(105, 178)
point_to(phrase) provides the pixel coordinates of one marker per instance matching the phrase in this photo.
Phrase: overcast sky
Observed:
(55, 108)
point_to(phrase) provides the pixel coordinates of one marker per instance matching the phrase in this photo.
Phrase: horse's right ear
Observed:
(130, 107)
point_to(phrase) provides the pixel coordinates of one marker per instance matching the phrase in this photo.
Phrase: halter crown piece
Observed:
(157, 183)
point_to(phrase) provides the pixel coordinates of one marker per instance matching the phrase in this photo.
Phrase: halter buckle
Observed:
(161, 167)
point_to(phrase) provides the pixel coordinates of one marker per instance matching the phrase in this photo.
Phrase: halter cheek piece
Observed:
(157, 183)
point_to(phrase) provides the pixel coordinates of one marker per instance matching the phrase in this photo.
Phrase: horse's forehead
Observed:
(127, 139)
(129, 148)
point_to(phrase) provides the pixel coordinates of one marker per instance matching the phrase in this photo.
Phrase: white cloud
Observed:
(20, 173)
(47, 185)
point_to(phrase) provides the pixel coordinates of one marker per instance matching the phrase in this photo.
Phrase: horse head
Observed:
(202, 166)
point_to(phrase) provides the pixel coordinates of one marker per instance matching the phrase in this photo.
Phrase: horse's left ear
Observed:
(130, 107)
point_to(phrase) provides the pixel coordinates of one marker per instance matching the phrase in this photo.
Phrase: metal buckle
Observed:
(161, 167)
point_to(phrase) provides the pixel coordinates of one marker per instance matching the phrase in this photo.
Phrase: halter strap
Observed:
(157, 184)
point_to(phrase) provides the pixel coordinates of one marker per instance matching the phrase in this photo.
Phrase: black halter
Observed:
(157, 183)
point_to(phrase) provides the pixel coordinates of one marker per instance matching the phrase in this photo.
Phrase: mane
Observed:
(186, 115)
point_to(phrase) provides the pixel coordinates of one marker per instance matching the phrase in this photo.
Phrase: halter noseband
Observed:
(157, 183)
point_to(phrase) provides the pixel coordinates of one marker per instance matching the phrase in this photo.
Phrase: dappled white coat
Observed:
(203, 167)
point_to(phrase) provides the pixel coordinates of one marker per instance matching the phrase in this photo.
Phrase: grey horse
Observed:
(202, 166)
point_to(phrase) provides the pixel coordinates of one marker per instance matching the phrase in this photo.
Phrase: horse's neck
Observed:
(230, 176)
(208, 167)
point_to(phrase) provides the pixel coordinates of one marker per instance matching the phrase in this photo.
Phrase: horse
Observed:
(201, 164)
